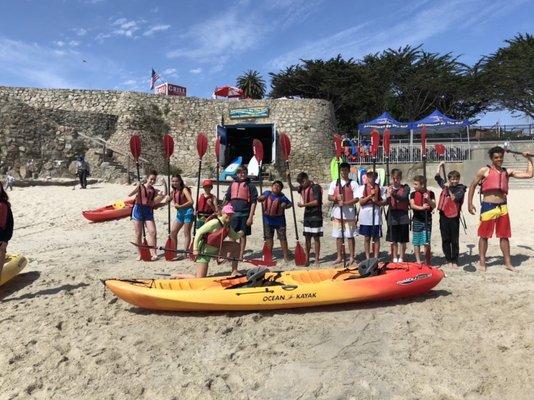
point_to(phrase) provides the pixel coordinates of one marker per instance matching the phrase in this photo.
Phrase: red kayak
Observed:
(118, 210)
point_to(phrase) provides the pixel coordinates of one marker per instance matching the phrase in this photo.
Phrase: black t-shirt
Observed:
(420, 215)
(314, 213)
(458, 191)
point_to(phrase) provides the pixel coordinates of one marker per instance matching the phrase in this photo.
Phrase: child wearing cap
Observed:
(207, 203)
(274, 219)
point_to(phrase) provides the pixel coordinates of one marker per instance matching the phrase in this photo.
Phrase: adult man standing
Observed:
(83, 171)
(493, 180)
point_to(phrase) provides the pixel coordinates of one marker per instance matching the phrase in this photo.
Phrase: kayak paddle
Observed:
(507, 147)
(375, 141)
(257, 148)
(218, 164)
(423, 155)
(168, 147)
(300, 254)
(338, 146)
(255, 261)
(386, 142)
(202, 146)
(135, 149)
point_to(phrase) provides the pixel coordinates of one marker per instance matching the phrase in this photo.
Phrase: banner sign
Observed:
(251, 112)
(171, 90)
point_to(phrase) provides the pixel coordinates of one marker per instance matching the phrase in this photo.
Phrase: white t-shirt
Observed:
(366, 211)
(349, 212)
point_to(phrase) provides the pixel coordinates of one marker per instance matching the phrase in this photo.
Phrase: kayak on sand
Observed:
(119, 209)
(278, 290)
(12, 266)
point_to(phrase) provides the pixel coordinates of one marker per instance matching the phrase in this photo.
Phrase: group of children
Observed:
(233, 218)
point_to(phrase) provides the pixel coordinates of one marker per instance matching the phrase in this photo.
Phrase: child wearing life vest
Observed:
(422, 202)
(371, 201)
(242, 195)
(146, 197)
(449, 206)
(207, 203)
(209, 242)
(343, 193)
(6, 225)
(274, 206)
(398, 220)
(312, 202)
(183, 203)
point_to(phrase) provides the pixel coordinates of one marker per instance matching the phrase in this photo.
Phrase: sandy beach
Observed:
(65, 337)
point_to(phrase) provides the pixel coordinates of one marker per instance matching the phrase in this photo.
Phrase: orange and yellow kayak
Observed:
(288, 289)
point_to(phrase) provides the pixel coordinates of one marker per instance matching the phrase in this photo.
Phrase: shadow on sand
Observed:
(18, 282)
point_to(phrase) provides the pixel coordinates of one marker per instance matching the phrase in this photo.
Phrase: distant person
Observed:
(449, 206)
(6, 225)
(493, 180)
(242, 195)
(422, 202)
(312, 201)
(398, 220)
(185, 215)
(10, 181)
(83, 171)
(274, 219)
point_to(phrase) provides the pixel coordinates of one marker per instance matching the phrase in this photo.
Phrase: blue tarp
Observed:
(382, 122)
(439, 121)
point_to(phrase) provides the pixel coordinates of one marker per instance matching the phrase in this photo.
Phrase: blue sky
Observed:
(113, 44)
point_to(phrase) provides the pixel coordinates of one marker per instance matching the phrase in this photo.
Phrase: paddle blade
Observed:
(286, 146)
(217, 147)
(260, 262)
(169, 247)
(300, 255)
(267, 253)
(338, 145)
(387, 142)
(440, 149)
(375, 141)
(168, 145)
(423, 140)
(202, 144)
(135, 146)
(257, 149)
(144, 252)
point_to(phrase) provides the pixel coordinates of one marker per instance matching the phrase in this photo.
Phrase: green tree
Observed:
(252, 84)
(508, 75)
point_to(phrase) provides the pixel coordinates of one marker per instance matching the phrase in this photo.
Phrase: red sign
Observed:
(171, 90)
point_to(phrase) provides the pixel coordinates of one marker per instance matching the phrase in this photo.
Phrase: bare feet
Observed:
(351, 261)
(235, 273)
(510, 268)
(454, 266)
(155, 257)
(337, 261)
(482, 267)
(317, 263)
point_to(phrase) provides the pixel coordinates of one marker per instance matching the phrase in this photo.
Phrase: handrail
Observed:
(106, 145)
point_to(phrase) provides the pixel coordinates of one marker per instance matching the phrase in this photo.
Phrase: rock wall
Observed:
(47, 125)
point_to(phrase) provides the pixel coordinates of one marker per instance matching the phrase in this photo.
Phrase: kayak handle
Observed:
(289, 287)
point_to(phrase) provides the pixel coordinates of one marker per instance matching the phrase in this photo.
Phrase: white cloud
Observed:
(59, 43)
(156, 28)
(195, 71)
(74, 43)
(80, 31)
(125, 27)
(130, 82)
(170, 72)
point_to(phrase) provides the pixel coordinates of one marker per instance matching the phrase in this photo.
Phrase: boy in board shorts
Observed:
(422, 202)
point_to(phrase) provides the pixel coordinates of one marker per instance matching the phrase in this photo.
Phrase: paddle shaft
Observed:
(139, 188)
(519, 152)
(425, 211)
(198, 195)
(373, 200)
(169, 191)
(343, 255)
(292, 202)
(262, 204)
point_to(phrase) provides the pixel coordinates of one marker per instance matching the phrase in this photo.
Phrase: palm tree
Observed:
(252, 84)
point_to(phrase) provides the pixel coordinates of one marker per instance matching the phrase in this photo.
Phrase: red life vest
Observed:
(307, 194)
(215, 238)
(4, 210)
(400, 204)
(145, 196)
(367, 190)
(240, 191)
(418, 198)
(348, 194)
(496, 180)
(273, 206)
(179, 197)
(205, 204)
(447, 205)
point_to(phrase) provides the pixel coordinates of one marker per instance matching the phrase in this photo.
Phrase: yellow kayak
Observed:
(13, 265)
(276, 290)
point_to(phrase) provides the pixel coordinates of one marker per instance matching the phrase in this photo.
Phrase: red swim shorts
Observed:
(494, 217)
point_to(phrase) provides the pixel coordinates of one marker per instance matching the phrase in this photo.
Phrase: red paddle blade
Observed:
(169, 247)
(338, 145)
(387, 142)
(423, 140)
(267, 253)
(144, 252)
(440, 149)
(257, 148)
(135, 146)
(168, 145)
(375, 141)
(259, 262)
(286, 146)
(202, 144)
(300, 255)
(217, 147)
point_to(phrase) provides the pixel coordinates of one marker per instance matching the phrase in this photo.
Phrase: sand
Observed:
(63, 336)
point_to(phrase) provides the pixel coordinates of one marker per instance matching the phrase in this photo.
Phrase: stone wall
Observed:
(114, 116)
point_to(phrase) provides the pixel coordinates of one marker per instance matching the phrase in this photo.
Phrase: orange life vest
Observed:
(145, 196)
(273, 206)
(447, 205)
(348, 194)
(205, 204)
(400, 204)
(215, 238)
(496, 180)
(240, 191)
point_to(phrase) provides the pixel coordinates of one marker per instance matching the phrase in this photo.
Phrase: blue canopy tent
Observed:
(383, 121)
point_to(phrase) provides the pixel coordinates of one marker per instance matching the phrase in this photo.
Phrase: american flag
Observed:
(153, 78)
